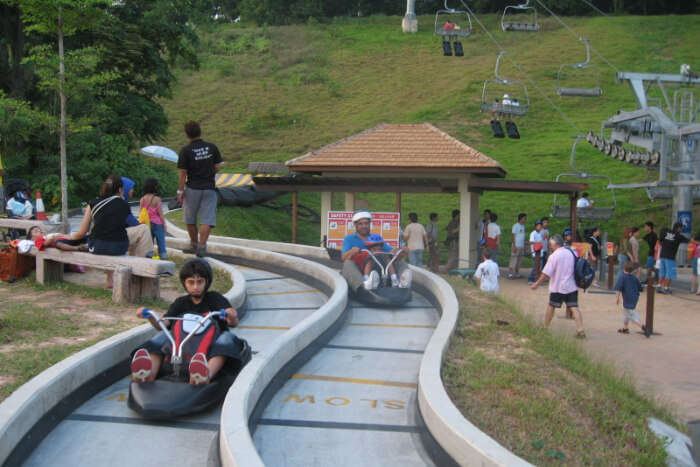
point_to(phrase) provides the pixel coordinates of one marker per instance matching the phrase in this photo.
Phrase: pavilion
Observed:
(406, 158)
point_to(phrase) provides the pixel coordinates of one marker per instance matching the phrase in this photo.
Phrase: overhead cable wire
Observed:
(577, 35)
(512, 62)
(629, 31)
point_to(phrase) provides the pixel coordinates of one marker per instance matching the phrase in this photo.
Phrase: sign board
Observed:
(340, 224)
(686, 220)
(582, 249)
(610, 248)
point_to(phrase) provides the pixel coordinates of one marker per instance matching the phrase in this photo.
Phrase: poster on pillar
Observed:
(340, 224)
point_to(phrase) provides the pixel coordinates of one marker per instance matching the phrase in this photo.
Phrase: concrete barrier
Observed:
(463, 441)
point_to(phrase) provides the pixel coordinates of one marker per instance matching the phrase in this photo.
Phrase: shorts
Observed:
(650, 263)
(108, 248)
(630, 315)
(667, 268)
(202, 202)
(571, 299)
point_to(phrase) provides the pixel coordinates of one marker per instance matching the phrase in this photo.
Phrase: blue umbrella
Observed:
(160, 152)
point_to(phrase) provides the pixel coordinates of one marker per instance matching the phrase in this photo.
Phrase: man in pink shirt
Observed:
(562, 286)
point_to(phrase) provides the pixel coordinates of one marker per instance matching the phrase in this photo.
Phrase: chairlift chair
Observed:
(496, 89)
(579, 79)
(460, 18)
(563, 211)
(510, 21)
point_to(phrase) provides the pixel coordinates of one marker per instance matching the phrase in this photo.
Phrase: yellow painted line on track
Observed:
(382, 325)
(283, 292)
(338, 379)
(265, 328)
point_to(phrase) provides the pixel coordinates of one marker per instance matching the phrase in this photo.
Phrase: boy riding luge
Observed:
(213, 346)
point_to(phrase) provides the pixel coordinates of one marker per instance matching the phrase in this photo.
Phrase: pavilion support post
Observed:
(349, 201)
(326, 199)
(295, 212)
(467, 218)
(573, 220)
(398, 202)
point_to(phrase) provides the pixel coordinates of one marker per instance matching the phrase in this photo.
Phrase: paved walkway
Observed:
(667, 365)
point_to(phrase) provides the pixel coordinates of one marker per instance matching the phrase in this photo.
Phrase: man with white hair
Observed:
(354, 243)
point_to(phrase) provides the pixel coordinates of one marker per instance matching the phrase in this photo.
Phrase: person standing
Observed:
(651, 238)
(670, 240)
(198, 163)
(416, 240)
(562, 285)
(623, 251)
(593, 239)
(545, 243)
(493, 237)
(628, 288)
(634, 249)
(433, 246)
(518, 247)
(481, 227)
(452, 241)
(537, 246)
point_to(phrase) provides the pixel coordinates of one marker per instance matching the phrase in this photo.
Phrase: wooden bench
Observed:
(134, 277)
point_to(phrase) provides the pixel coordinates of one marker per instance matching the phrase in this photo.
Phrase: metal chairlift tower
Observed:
(670, 130)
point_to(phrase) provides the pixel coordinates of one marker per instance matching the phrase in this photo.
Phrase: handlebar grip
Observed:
(146, 313)
(222, 314)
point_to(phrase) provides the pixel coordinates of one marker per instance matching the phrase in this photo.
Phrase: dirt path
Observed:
(665, 365)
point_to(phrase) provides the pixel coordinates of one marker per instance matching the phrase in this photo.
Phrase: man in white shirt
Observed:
(536, 246)
(518, 248)
(487, 273)
(583, 202)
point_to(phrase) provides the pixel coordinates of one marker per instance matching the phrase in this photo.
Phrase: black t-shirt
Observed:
(212, 301)
(199, 159)
(651, 238)
(595, 245)
(670, 242)
(109, 221)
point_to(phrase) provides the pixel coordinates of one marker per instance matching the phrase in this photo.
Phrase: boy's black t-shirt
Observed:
(212, 301)
(199, 159)
(110, 220)
(669, 244)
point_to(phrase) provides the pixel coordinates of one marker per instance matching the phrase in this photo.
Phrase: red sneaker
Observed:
(141, 366)
(199, 369)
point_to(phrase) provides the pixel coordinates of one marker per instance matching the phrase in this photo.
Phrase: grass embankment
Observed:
(41, 325)
(540, 395)
(274, 93)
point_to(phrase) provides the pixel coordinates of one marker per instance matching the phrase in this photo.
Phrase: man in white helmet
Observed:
(354, 243)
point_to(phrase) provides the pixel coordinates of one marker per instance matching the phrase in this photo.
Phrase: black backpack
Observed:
(583, 271)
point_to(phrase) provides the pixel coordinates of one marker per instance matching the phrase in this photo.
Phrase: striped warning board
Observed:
(238, 180)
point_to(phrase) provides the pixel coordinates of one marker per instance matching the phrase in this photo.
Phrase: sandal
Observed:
(580, 335)
(623, 331)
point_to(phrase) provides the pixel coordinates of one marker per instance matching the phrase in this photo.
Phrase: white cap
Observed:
(361, 215)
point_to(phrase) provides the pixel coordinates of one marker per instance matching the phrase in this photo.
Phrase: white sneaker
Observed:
(372, 281)
(394, 281)
(406, 279)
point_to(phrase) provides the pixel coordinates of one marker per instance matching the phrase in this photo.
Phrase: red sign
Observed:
(610, 248)
(340, 224)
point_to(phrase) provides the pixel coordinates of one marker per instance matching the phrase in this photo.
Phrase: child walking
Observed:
(154, 206)
(628, 288)
(487, 272)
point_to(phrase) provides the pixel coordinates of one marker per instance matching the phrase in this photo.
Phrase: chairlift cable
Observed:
(532, 82)
(600, 55)
(629, 31)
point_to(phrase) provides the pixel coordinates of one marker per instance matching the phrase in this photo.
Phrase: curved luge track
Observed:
(104, 431)
(354, 401)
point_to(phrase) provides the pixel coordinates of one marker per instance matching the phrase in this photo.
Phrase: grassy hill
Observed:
(273, 93)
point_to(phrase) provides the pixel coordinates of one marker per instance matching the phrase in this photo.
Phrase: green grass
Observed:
(34, 325)
(540, 395)
(274, 93)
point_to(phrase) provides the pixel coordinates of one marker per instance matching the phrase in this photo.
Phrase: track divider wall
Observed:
(41, 395)
(461, 439)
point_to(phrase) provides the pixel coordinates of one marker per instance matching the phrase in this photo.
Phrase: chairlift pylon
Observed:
(579, 79)
(460, 21)
(510, 22)
(502, 96)
(597, 213)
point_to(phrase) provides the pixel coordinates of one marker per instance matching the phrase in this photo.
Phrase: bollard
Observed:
(649, 320)
(611, 272)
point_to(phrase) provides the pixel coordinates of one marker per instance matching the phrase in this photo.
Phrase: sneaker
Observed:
(668, 292)
(406, 279)
(580, 335)
(395, 282)
(199, 369)
(646, 331)
(192, 249)
(202, 251)
(141, 366)
(510, 276)
(372, 281)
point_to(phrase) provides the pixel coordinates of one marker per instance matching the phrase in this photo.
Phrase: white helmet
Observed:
(361, 215)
